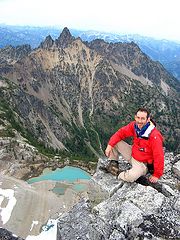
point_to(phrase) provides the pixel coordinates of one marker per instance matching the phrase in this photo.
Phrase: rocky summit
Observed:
(118, 210)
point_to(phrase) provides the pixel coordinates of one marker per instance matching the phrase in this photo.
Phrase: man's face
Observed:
(141, 119)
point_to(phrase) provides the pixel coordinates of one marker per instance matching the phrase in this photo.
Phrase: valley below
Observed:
(26, 208)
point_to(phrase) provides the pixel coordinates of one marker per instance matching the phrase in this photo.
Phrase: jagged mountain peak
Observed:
(48, 42)
(65, 38)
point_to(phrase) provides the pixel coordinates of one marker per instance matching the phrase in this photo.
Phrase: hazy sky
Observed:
(157, 18)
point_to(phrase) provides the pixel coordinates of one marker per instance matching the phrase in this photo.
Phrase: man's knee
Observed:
(127, 177)
(131, 175)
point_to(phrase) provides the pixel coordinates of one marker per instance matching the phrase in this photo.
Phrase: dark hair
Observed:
(144, 110)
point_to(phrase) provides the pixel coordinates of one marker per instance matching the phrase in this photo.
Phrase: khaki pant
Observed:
(138, 168)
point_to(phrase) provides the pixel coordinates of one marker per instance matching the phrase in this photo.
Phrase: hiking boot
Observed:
(112, 166)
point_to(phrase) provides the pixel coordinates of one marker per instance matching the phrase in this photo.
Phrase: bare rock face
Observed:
(18, 158)
(6, 235)
(118, 210)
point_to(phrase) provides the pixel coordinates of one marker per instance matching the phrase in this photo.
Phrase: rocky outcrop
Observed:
(20, 159)
(6, 235)
(117, 210)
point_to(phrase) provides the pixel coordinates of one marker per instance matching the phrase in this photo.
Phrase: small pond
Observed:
(67, 177)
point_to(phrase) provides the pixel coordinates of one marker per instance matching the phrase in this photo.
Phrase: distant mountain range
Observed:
(164, 51)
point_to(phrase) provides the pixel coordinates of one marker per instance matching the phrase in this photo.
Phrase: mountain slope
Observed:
(72, 95)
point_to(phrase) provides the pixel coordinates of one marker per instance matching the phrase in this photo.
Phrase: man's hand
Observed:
(108, 150)
(153, 179)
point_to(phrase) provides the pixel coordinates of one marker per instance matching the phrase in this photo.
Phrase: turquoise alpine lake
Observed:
(67, 177)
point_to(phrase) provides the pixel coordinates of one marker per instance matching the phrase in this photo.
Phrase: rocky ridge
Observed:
(164, 51)
(118, 210)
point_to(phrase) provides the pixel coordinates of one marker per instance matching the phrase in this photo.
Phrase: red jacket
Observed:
(144, 150)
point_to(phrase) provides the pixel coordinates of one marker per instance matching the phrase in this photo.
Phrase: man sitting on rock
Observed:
(147, 148)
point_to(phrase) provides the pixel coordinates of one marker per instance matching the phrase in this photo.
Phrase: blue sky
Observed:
(156, 18)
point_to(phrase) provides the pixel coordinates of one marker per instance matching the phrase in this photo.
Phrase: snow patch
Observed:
(49, 231)
(33, 224)
(6, 211)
